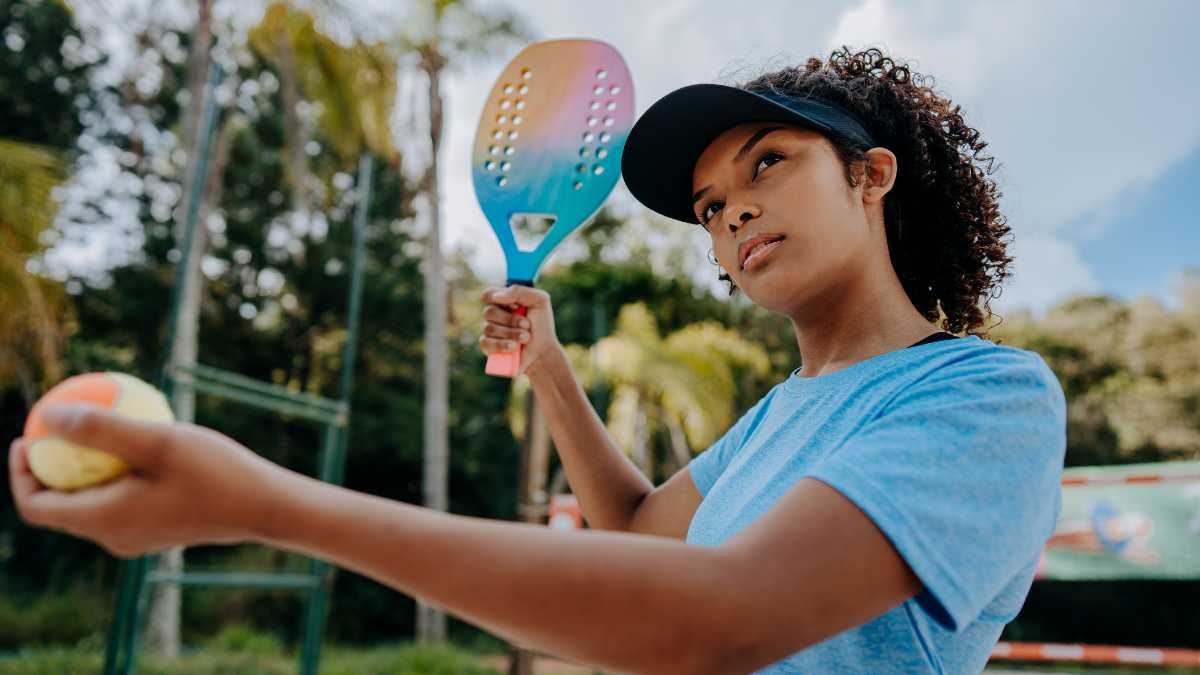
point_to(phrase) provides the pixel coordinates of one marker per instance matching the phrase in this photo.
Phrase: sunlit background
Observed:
(1089, 109)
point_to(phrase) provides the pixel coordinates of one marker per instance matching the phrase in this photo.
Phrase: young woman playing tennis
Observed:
(880, 511)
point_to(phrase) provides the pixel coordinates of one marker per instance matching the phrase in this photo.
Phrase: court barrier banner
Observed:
(1134, 521)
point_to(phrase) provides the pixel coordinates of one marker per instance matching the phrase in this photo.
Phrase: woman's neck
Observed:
(864, 317)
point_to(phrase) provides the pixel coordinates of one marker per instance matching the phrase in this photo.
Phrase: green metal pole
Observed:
(123, 635)
(350, 352)
(333, 449)
(195, 192)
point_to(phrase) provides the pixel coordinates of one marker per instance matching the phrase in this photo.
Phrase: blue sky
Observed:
(1149, 235)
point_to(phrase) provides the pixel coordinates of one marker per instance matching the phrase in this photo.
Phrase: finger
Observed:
(141, 444)
(36, 504)
(81, 512)
(504, 317)
(504, 333)
(492, 345)
(21, 480)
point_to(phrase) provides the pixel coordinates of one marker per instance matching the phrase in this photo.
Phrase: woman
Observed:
(881, 510)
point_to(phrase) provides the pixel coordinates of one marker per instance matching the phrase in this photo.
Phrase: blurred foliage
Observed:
(44, 87)
(354, 88)
(65, 617)
(1130, 370)
(275, 309)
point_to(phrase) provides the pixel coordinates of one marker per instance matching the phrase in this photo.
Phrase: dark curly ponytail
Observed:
(947, 237)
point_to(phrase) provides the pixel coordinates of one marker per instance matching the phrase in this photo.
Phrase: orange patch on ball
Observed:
(63, 465)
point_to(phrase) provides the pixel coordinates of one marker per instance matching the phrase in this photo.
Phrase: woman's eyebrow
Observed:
(758, 136)
(746, 148)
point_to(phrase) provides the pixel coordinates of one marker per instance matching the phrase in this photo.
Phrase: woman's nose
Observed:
(744, 213)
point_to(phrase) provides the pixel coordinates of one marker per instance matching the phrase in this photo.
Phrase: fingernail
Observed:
(524, 323)
(510, 346)
(524, 336)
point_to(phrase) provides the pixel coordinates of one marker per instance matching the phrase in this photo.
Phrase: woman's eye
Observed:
(768, 159)
(708, 212)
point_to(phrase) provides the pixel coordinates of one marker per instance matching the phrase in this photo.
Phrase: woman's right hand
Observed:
(504, 329)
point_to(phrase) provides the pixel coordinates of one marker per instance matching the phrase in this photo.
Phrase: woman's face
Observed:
(784, 222)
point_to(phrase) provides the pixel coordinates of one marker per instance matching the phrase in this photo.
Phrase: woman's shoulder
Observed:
(979, 361)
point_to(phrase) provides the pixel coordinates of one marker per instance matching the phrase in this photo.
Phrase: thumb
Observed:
(141, 444)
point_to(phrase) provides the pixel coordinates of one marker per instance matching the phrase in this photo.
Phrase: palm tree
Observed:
(435, 35)
(684, 384)
(354, 88)
(30, 333)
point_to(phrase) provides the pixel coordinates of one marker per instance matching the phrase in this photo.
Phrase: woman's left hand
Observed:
(187, 485)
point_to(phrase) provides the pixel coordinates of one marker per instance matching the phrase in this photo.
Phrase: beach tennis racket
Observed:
(548, 153)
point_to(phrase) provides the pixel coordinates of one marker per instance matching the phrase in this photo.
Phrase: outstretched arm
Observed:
(814, 565)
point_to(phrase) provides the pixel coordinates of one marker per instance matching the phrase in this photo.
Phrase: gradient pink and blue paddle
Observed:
(548, 152)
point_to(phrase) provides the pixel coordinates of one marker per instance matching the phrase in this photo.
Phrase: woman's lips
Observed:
(756, 250)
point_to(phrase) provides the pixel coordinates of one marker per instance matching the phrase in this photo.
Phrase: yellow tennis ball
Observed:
(63, 465)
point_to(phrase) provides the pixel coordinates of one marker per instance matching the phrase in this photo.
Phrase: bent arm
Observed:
(608, 485)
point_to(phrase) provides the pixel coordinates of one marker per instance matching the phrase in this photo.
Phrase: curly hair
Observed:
(946, 236)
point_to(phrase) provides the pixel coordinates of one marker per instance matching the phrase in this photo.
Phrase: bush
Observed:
(243, 639)
(57, 619)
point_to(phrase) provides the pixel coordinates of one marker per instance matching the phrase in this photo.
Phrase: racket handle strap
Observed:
(508, 364)
(504, 364)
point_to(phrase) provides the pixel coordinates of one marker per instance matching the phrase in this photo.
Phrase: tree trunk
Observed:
(532, 500)
(297, 134)
(680, 451)
(641, 442)
(431, 623)
(162, 629)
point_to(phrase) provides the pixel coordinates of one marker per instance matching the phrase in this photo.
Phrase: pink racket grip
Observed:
(506, 364)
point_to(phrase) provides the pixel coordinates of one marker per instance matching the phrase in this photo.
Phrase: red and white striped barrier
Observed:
(1131, 479)
(1048, 651)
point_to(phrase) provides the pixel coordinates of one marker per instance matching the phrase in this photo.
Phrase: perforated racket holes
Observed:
(593, 121)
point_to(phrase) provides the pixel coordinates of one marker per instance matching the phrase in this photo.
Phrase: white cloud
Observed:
(1046, 270)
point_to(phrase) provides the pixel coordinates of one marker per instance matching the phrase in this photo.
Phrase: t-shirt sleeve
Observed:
(961, 471)
(707, 467)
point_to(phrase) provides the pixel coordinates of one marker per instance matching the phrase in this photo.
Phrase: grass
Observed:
(239, 650)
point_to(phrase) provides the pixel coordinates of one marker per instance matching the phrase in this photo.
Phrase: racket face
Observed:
(549, 142)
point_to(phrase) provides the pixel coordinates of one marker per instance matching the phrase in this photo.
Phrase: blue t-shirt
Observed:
(954, 449)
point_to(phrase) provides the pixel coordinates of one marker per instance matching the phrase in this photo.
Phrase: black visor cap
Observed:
(664, 144)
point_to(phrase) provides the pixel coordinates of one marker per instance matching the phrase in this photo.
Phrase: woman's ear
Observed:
(880, 168)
